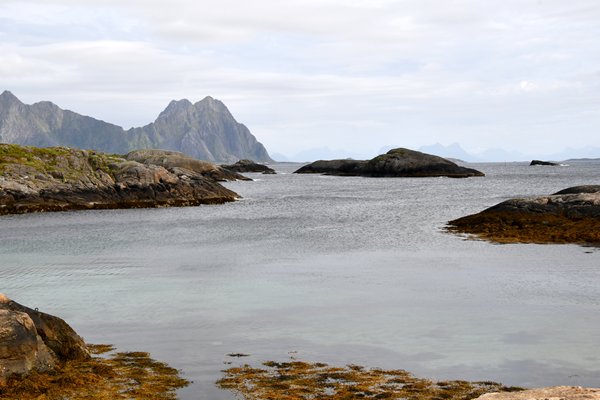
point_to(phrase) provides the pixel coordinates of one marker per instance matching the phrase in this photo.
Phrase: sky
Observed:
(353, 76)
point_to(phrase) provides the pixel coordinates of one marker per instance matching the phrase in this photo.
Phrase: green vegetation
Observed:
(299, 380)
(58, 162)
(132, 375)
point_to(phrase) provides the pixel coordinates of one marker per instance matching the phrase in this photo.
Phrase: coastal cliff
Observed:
(60, 178)
(395, 163)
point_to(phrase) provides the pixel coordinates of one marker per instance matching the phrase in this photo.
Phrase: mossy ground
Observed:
(297, 380)
(131, 375)
(516, 227)
(50, 160)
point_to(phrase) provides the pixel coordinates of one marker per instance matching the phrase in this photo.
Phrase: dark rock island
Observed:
(395, 163)
(60, 178)
(244, 166)
(569, 216)
(539, 162)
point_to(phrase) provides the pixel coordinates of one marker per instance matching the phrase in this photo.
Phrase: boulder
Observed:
(244, 166)
(395, 163)
(33, 340)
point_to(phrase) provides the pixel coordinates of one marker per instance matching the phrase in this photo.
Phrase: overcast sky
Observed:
(354, 75)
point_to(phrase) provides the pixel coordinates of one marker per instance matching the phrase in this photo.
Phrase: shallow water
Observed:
(335, 269)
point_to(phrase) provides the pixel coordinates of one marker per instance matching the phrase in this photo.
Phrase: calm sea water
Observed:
(334, 269)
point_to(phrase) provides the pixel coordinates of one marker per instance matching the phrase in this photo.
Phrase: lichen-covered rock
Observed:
(549, 393)
(243, 166)
(174, 159)
(33, 340)
(60, 178)
(395, 163)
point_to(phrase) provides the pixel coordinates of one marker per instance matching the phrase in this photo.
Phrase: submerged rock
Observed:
(32, 340)
(395, 163)
(249, 166)
(569, 216)
(59, 178)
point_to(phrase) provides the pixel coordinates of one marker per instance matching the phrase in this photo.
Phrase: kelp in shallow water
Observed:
(125, 375)
(297, 380)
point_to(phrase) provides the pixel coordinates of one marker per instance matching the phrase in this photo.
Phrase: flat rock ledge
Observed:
(395, 163)
(549, 393)
(33, 340)
(569, 216)
(59, 178)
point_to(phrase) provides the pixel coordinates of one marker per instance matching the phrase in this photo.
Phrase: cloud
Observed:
(312, 73)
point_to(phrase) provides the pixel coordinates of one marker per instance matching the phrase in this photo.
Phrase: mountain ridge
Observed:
(205, 130)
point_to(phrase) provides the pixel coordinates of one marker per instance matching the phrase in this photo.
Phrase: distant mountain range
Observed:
(205, 130)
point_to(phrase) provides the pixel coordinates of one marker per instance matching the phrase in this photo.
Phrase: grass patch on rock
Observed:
(107, 375)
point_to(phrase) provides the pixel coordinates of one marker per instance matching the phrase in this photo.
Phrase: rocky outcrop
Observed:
(570, 216)
(580, 189)
(173, 159)
(395, 163)
(549, 393)
(205, 130)
(244, 166)
(539, 162)
(59, 178)
(33, 340)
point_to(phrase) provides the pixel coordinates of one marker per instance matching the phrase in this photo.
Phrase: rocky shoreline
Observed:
(42, 357)
(395, 163)
(60, 178)
(569, 216)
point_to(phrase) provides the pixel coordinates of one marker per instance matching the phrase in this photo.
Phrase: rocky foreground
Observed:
(395, 163)
(569, 216)
(61, 178)
(41, 357)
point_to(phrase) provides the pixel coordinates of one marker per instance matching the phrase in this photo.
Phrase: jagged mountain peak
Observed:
(211, 103)
(177, 106)
(8, 98)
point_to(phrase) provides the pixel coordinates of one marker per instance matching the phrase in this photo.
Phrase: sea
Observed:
(342, 270)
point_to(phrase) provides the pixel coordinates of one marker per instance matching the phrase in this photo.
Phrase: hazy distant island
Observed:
(569, 216)
(205, 130)
(398, 162)
(60, 178)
